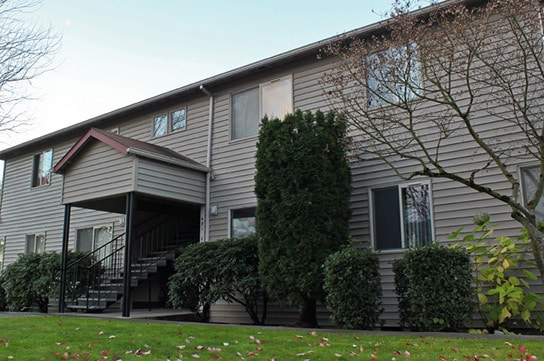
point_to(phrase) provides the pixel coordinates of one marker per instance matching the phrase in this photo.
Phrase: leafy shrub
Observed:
(3, 305)
(32, 279)
(238, 281)
(191, 284)
(434, 288)
(29, 281)
(502, 276)
(226, 269)
(353, 288)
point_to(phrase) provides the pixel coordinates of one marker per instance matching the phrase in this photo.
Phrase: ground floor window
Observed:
(35, 243)
(242, 222)
(529, 183)
(402, 216)
(90, 238)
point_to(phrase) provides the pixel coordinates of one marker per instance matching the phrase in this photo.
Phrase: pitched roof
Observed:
(126, 145)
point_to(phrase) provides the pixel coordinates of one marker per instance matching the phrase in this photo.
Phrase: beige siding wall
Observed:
(171, 182)
(84, 179)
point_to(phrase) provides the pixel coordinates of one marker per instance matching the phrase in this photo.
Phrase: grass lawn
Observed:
(82, 338)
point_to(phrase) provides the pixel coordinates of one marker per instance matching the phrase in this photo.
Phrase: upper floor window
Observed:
(35, 243)
(392, 75)
(41, 169)
(248, 107)
(243, 222)
(178, 120)
(169, 123)
(160, 125)
(529, 183)
(401, 216)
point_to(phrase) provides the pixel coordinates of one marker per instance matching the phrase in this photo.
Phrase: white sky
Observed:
(117, 52)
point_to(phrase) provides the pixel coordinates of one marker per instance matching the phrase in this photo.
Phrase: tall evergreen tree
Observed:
(303, 186)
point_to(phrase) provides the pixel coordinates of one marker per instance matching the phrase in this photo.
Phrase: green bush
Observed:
(353, 288)
(191, 284)
(3, 304)
(32, 279)
(502, 276)
(226, 269)
(434, 288)
(303, 188)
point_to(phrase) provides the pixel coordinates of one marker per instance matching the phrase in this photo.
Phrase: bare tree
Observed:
(459, 71)
(25, 53)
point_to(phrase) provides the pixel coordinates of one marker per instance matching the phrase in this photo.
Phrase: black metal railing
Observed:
(95, 280)
(159, 243)
(92, 278)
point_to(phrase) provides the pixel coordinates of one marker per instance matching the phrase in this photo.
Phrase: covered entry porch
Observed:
(159, 193)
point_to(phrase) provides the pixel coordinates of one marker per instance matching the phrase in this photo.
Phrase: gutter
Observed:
(208, 165)
(169, 160)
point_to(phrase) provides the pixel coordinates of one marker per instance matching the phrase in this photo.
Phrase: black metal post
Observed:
(130, 210)
(64, 256)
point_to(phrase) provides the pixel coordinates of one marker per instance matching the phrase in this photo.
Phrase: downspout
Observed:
(208, 164)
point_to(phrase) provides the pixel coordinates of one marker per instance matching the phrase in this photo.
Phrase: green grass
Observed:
(82, 338)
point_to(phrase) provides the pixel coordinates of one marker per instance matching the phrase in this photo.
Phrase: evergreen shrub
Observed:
(434, 288)
(32, 279)
(353, 288)
(225, 269)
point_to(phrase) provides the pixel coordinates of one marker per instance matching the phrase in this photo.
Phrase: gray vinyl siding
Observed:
(190, 142)
(85, 180)
(26, 210)
(171, 182)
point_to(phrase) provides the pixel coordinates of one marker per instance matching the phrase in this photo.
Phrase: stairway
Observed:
(109, 289)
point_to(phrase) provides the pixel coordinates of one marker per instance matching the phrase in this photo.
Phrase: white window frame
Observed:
(399, 187)
(94, 229)
(35, 248)
(377, 97)
(39, 169)
(231, 218)
(523, 190)
(169, 116)
(262, 89)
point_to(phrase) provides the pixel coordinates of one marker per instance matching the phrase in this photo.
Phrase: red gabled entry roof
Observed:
(125, 146)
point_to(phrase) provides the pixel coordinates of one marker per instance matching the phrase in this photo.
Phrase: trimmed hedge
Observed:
(434, 288)
(353, 287)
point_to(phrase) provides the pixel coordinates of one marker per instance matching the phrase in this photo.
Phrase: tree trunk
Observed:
(308, 314)
(537, 242)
